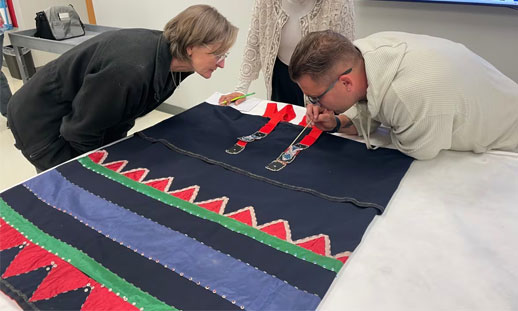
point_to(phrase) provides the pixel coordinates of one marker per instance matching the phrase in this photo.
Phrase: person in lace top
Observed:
(275, 29)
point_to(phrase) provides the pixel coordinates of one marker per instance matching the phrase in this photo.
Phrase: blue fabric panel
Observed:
(148, 275)
(304, 275)
(373, 174)
(252, 288)
(307, 215)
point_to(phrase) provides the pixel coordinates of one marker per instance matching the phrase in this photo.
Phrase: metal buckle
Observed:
(235, 149)
(255, 136)
(276, 165)
(301, 146)
(289, 154)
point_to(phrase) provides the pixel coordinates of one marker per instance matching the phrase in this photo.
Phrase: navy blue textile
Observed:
(25, 284)
(334, 188)
(307, 215)
(6, 256)
(333, 165)
(165, 284)
(72, 300)
(286, 267)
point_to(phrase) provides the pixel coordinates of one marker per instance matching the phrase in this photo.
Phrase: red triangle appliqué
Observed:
(116, 166)
(61, 279)
(137, 174)
(30, 258)
(317, 245)
(161, 184)
(277, 229)
(186, 194)
(343, 259)
(98, 156)
(9, 237)
(216, 205)
(101, 299)
(245, 216)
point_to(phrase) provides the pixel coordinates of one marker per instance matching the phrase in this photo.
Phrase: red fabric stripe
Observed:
(97, 156)
(101, 299)
(276, 229)
(214, 206)
(310, 138)
(243, 216)
(289, 113)
(268, 127)
(61, 279)
(136, 175)
(160, 184)
(115, 166)
(271, 109)
(186, 194)
(9, 237)
(343, 259)
(303, 122)
(30, 258)
(285, 114)
(317, 245)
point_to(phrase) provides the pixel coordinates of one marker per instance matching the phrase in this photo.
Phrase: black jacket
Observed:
(91, 95)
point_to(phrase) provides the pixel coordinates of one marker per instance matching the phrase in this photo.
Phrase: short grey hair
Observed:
(317, 54)
(199, 25)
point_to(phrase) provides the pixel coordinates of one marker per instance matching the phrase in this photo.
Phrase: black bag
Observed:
(42, 27)
(59, 23)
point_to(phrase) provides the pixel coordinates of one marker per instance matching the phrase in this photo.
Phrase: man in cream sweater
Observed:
(432, 93)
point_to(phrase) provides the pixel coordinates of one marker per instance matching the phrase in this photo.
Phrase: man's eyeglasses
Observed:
(316, 100)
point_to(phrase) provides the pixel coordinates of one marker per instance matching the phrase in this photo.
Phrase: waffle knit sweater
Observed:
(435, 94)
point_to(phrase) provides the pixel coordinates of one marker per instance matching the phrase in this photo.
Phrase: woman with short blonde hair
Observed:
(196, 26)
(91, 95)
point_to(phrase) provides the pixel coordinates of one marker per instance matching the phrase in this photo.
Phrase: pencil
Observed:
(239, 97)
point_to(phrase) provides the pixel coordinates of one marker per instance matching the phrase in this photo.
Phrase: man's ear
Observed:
(347, 81)
(189, 51)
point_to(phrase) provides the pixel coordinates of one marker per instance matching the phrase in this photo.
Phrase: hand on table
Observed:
(230, 96)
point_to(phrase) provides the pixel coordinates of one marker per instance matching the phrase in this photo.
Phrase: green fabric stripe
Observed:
(81, 261)
(328, 263)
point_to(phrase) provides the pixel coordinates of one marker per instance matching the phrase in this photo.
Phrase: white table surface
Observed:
(448, 239)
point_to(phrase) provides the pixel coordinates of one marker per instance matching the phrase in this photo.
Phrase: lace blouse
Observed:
(264, 34)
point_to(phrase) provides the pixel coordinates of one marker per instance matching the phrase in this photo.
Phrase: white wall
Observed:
(491, 32)
(25, 11)
(156, 13)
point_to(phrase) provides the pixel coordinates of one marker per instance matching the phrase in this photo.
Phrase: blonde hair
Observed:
(198, 25)
(318, 53)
